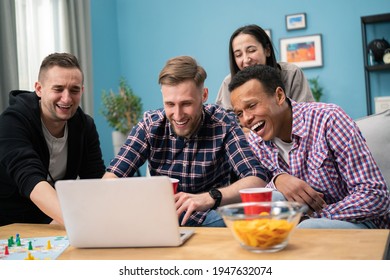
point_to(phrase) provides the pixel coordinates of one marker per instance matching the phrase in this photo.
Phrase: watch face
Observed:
(215, 193)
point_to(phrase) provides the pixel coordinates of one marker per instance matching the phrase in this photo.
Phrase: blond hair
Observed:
(180, 69)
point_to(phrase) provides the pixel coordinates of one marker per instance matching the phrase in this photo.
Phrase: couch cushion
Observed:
(376, 131)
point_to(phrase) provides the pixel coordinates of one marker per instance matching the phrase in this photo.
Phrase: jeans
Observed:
(213, 219)
(322, 223)
(277, 196)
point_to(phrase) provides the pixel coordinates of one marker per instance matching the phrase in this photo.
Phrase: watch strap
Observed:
(217, 196)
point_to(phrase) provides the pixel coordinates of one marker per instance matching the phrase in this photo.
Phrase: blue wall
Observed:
(134, 38)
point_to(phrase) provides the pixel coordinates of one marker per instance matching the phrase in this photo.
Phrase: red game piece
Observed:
(6, 252)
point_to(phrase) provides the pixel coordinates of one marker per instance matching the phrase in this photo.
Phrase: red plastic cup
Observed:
(175, 184)
(256, 195)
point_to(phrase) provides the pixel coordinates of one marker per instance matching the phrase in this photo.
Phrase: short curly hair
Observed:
(268, 76)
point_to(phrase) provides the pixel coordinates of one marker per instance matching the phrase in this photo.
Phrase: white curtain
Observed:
(80, 44)
(8, 55)
(41, 30)
(47, 26)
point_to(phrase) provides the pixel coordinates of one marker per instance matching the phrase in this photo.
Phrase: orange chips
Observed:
(262, 233)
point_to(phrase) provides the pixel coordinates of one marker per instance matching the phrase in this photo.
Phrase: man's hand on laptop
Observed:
(192, 202)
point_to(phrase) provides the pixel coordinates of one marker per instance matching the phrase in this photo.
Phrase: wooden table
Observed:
(218, 244)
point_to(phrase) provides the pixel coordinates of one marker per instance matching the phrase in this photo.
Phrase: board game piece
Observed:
(29, 256)
(39, 250)
(48, 247)
(6, 251)
(30, 247)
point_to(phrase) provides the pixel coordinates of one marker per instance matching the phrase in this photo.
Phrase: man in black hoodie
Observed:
(45, 137)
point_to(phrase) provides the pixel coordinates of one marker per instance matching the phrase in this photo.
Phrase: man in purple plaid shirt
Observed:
(315, 151)
(198, 144)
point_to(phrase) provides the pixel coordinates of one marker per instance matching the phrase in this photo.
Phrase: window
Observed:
(41, 29)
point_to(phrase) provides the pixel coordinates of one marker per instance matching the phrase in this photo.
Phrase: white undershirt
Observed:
(284, 149)
(58, 149)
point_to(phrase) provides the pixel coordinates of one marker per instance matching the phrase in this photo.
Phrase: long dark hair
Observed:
(262, 37)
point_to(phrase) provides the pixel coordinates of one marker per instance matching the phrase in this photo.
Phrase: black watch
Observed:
(217, 195)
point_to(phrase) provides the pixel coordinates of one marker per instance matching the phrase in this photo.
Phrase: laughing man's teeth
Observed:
(64, 106)
(257, 125)
(181, 123)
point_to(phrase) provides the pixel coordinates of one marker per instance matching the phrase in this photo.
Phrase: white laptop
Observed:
(124, 212)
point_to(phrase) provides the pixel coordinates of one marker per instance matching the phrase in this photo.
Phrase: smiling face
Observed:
(267, 115)
(60, 90)
(183, 104)
(248, 51)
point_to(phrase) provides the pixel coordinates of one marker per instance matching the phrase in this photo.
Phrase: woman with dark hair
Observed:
(250, 45)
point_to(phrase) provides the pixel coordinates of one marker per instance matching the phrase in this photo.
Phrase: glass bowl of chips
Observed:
(262, 226)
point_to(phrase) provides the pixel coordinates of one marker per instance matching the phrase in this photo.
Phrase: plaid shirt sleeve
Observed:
(366, 194)
(134, 152)
(242, 158)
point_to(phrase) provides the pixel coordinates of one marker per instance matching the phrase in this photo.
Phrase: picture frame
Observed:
(304, 51)
(296, 21)
(269, 33)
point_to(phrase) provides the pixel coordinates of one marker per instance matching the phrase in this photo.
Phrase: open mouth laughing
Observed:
(182, 123)
(63, 107)
(258, 126)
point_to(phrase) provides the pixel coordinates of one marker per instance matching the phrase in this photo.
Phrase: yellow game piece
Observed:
(48, 247)
(29, 257)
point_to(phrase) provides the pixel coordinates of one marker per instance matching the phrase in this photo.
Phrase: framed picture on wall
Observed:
(296, 21)
(304, 51)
